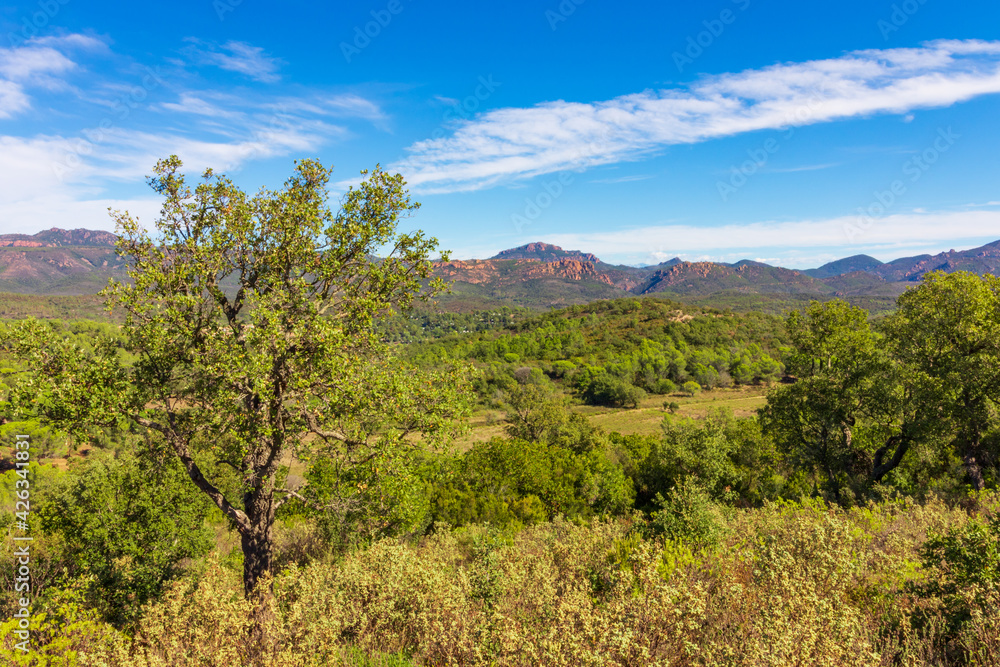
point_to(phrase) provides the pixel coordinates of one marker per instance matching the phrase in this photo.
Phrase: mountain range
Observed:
(539, 275)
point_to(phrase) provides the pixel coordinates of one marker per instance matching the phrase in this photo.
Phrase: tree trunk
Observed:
(899, 445)
(257, 551)
(973, 470)
(258, 548)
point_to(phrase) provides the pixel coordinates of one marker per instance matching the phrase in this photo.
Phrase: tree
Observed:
(947, 333)
(253, 322)
(853, 413)
(535, 413)
(691, 387)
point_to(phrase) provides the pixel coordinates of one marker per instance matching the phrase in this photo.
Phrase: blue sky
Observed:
(788, 132)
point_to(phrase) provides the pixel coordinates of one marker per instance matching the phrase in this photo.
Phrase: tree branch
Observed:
(180, 447)
(880, 469)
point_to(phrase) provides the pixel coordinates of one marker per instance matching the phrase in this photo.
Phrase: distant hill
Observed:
(536, 275)
(981, 260)
(58, 270)
(846, 265)
(543, 252)
(59, 238)
(701, 278)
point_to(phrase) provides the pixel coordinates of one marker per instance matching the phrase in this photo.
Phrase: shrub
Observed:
(128, 528)
(664, 386)
(562, 368)
(606, 389)
(688, 514)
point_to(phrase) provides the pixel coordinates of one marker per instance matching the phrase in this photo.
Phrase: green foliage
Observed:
(850, 416)
(965, 567)
(250, 332)
(383, 497)
(610, 352)
(729, 457)
(127, 522)
(688, 514)
(897, 403)
(423, 324)
(945, 336)
(691, 387)
(504, 482)
(64, 630)
(597, 386)
(536, 414)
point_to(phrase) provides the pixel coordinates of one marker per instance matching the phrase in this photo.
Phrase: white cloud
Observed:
(13, 99)
(235, 56)
(887, 237)
(194, 103)
(64, 178)
(33, 215)
(24, 63)
(47, 179)
(71, 41)
(512, 143)
(37, 64)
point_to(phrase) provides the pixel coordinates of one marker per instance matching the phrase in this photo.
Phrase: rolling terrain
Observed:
(539, 276)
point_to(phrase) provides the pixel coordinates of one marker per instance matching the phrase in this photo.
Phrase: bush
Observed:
(562, 368)
(964, 567)
(691, 387)
(688, 514)
(795, 584)
(664, 386)
(507, 482)
(128, 522)
(603, 388)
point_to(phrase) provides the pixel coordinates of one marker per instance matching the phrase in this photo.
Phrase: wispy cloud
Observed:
(39, 64)
(807, 167)
(13, 99)
(623, 179)
(233, 56)
(46, 180)
(511, 143)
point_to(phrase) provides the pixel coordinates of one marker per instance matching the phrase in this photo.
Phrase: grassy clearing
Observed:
(644, 420)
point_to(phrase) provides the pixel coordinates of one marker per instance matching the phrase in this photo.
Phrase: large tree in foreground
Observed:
(249, 323)
(947, 334)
